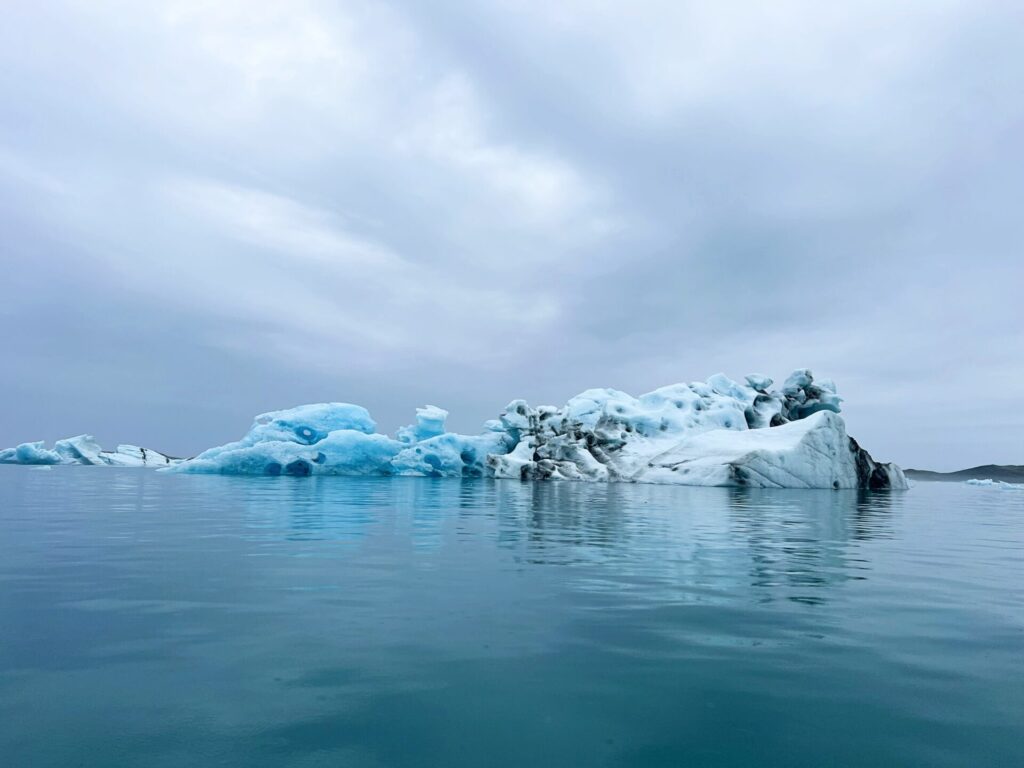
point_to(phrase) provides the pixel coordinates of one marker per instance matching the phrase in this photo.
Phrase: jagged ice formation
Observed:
(84, 450)
(718, 432)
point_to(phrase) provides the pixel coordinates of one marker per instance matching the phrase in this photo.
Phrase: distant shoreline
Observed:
(1009, 473)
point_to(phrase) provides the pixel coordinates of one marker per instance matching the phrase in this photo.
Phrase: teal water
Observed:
(173, 620)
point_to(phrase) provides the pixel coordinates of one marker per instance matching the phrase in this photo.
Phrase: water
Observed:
(169, 620)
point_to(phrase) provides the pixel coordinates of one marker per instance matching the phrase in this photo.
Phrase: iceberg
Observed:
(719, 432)
(29, 453)
(990, 483)
(84, 449)
(340, 439)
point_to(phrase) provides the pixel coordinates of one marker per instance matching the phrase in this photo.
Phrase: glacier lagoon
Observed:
(165, 619)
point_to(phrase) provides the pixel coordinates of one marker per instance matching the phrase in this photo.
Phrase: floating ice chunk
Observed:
(30, 453)
(84, 449)
(303, 442)
(604, 434)
(718, 432)
(989, 483)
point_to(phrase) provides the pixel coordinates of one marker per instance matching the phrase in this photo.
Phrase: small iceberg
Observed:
(84, 449)
(989, 483)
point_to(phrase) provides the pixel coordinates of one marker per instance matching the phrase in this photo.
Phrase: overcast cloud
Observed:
(209, 210)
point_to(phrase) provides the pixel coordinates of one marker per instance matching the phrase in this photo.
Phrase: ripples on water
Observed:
(155, 620)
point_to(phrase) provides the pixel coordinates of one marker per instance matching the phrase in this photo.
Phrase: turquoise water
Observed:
(156, 620)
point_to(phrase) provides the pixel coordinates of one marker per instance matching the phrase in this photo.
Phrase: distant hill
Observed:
(1008, 473)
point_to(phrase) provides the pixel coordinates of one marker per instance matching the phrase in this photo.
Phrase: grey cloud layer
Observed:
(212, 212)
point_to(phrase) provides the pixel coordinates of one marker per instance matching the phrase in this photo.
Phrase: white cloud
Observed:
(302, 268)
(276, 222)
(538, 189)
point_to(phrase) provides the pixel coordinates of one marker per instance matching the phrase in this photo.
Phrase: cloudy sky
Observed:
(209, 210)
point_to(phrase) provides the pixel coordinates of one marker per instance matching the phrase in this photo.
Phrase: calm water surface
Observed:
(166, 620)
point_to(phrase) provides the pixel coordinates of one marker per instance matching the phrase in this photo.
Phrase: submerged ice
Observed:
(718, 432)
